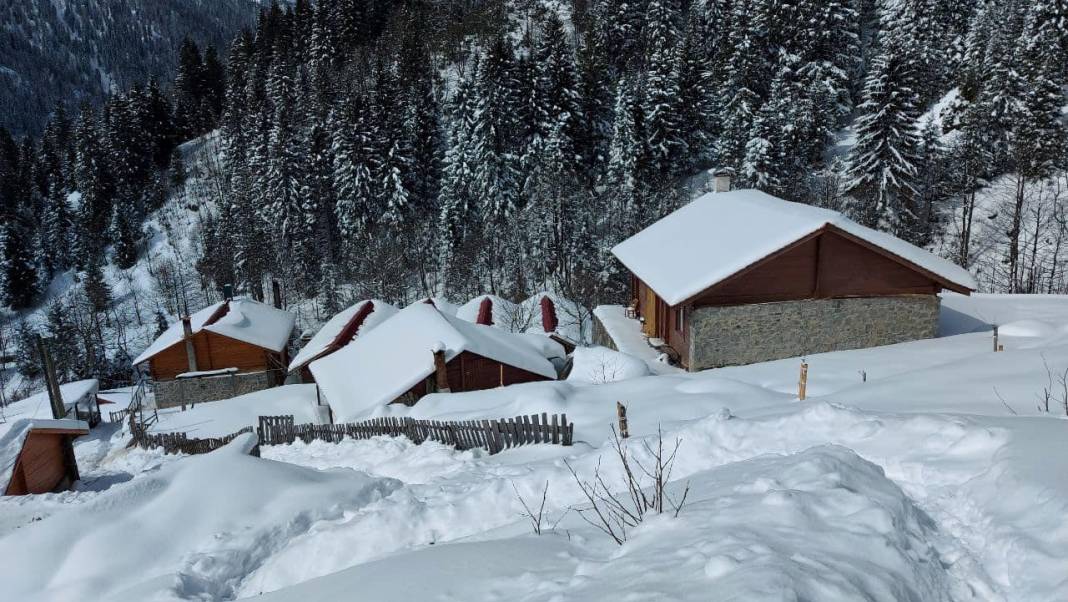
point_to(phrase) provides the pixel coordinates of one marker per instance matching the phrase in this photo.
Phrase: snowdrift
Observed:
(192, 530)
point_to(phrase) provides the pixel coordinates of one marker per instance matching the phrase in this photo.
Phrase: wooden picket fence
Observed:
(492, 435)
(173, 443)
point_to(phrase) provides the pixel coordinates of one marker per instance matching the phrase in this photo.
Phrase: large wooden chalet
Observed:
(740, 276)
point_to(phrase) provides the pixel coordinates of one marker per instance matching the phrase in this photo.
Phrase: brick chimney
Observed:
(190, 349)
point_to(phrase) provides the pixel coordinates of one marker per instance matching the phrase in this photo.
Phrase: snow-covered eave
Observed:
(958, 284)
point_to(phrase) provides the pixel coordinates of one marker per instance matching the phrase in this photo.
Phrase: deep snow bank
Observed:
(192, 530)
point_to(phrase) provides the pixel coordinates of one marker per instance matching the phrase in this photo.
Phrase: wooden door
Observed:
(650, 312)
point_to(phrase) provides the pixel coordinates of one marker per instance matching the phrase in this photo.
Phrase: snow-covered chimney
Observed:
(190, 349)
(721, 181)
(485, 312)
(441, 374)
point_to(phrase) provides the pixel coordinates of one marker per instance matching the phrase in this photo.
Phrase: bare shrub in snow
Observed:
(536, 518)
(615, 512)
(1055, 390)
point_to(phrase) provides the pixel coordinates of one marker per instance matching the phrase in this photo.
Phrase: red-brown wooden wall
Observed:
(214, 352)
(43, 465)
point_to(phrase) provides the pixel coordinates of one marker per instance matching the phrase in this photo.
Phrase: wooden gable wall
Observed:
(214, 352)
(827, 265)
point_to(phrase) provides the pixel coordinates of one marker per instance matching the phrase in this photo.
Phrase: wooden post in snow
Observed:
(55, 395)
(802, 383)
(996, 346)
(621, 414)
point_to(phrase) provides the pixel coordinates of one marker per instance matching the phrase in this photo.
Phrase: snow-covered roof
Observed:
(572, 320)
(720, 234)
(11, 441)
(325, 340)
(504, 312)
(246, 320)
(382, 364)
(38, 406)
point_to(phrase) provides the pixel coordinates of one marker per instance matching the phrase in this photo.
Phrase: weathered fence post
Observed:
(621, 414)
(802, 383)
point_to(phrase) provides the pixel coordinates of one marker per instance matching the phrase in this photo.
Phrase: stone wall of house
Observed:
(185, 391)
(745, 334)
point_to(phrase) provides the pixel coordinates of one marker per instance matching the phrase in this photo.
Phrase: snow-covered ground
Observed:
(920, 471)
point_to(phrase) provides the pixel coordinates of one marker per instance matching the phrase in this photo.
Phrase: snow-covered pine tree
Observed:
(352, 172)
(882, 172)
(556, 99)
(665, 139)
(627, 163)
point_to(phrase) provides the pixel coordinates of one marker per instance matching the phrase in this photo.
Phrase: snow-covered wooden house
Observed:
(421, 350)
(37, 455)
(229, 348)
(339, 331)
(741, 276)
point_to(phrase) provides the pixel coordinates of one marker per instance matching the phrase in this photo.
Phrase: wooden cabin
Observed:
(234, 339)
(419, 351)
(40, 454)
(740, 277)
(339, 331)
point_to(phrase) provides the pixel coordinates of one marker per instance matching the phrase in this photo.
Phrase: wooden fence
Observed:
(173, 443)
(493, 435)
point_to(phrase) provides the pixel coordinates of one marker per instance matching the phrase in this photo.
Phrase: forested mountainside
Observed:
(452, 147)
(63, 52)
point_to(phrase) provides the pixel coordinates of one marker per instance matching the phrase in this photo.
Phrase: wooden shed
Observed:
(240, 334)
(37, 456)
(420, 350)
(742, 276)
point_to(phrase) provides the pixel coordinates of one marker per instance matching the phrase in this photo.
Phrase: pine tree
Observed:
(627, 161)
(664, 137)
(882, 172)
(97, 291)
(189, 91)
(57, 232)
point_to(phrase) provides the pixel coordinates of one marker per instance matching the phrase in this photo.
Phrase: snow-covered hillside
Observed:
(919, 471)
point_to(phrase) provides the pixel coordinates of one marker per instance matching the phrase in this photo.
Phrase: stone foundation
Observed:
(187, 391)
(745, 334)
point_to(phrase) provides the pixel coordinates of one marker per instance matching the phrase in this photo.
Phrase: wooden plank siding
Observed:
(472, 372)
(43, 465)
(214, 352)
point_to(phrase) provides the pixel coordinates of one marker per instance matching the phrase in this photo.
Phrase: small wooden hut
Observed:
(37, 456)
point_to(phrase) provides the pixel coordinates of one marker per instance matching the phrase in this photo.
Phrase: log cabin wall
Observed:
(214, 352)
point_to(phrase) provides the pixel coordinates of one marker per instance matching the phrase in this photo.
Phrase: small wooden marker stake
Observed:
(621, 413)
(802, 383)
